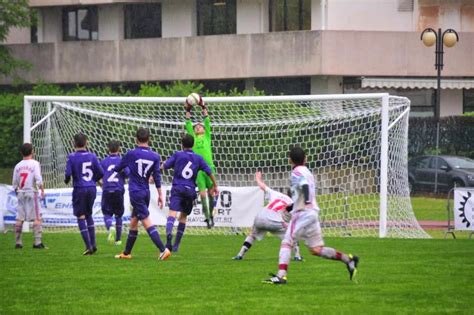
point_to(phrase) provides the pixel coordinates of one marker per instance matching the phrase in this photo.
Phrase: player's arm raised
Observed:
(260, 183)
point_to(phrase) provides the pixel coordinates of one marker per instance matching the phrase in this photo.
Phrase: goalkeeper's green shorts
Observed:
(203, 181)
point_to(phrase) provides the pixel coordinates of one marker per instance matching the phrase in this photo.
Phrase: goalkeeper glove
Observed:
(201, 103)
(188, 106)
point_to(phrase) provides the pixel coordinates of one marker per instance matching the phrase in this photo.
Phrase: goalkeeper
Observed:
(202, 146)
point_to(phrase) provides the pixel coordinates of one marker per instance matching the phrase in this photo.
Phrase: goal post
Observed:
(356, 146)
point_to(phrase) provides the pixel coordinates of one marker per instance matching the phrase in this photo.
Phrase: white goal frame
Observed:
(385, 124)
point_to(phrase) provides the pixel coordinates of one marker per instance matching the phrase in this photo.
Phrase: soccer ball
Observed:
(193, 99)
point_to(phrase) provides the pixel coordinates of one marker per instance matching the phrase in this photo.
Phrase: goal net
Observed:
(356, 147)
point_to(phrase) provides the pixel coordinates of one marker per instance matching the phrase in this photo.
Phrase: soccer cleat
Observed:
(88, 252)
(165, 254)
(175, 248)
(111, 235)
(209, 226)
(94, 249)
(18, 246)
(40, 246)
(274, 279)
(123, 256)
(118, 243)
(352, 269)
(237, 257)
(298, 258)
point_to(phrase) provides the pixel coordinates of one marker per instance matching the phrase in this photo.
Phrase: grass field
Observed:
(395, 276)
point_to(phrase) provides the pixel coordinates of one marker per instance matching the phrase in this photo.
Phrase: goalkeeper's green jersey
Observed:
(202, 143)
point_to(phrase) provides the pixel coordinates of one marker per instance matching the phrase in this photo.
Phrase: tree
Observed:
(13, 13)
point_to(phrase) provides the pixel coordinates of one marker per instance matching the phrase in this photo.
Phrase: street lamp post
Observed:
(449, 38)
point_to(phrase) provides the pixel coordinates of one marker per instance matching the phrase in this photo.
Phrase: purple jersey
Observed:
(186, 165)
(142, 163)
(113, 181)
(84, 168)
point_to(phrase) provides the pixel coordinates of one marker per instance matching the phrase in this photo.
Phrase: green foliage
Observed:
(395, 276)
(11, 128)
(13, 14)
(470, 114)
(455, 136)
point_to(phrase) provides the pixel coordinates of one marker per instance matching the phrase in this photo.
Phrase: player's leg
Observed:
(118, 213)
(89, 196)
(248, 242)
(78, 206)
(314, 240)
(210, 199)
(297, 226)
(106, 211)
(37, 227)
(180, 232)
(155, 237)
(201, 184)
(297, 254)
(132, 237)
(20, 218)
(186, 206)
(144, 216)
(169, 228)
(175, 202)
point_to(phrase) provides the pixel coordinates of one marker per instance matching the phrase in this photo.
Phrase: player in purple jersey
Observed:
(112, 192)
(142, 162)
(85, 170)
(186, 165)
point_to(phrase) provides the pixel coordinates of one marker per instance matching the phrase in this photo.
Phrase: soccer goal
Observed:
(356, 146)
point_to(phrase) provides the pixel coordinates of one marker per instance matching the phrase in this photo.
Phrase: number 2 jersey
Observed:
(186, 165)
(27, 176)
(112, 180)
(84, 168)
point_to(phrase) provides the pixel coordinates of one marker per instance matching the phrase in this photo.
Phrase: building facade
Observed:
(280, 46)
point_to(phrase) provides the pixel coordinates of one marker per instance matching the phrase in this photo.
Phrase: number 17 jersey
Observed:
(142, 163)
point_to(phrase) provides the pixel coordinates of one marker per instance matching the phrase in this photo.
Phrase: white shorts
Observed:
(268, 221)
(28, 208)
(304, 225)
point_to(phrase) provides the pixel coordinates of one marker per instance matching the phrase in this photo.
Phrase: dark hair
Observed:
(114, 146)
(80, 140)
(143, 135)
(198, 124)
(187, 141)
(297, 155)
(26, 149)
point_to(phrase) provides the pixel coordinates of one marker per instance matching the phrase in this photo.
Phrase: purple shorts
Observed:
(83, 200)
(112, 203)
(182, 198)
(140, 201)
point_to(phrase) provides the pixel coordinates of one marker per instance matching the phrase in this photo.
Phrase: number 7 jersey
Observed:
(27, 176)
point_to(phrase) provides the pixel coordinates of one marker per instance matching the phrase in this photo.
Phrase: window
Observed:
(289, 15)
(284, 86)
(442, 165)
(80, 23)
(142, 20)
(422, 162)
(216, 17)
(468, 101)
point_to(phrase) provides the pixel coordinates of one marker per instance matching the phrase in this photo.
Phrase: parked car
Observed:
(452, 171)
